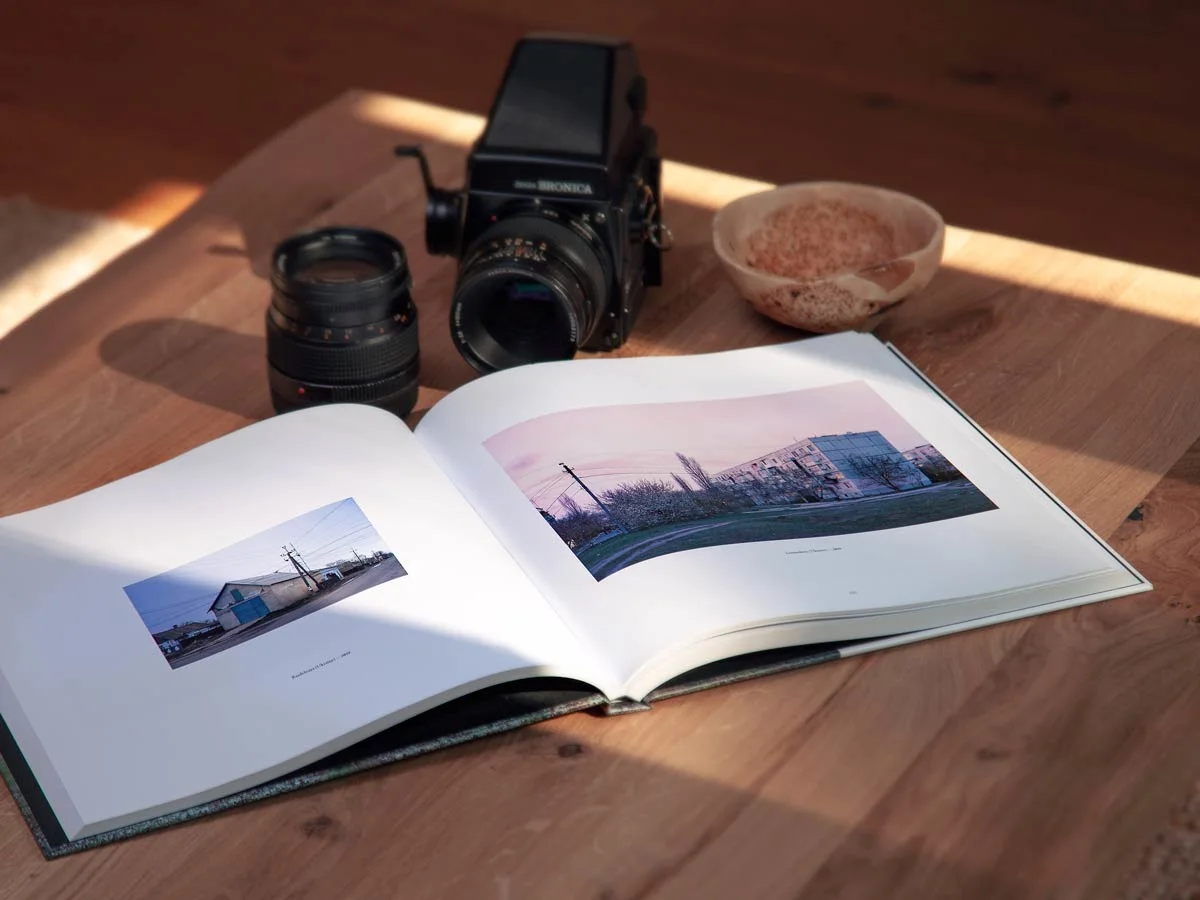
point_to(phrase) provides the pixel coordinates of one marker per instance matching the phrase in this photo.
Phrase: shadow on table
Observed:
(769, 788)
(550, 810)
(169, 353)
(538, 813)
(987, 342)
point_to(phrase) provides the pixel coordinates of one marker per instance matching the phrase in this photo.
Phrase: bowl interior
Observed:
(822, 229)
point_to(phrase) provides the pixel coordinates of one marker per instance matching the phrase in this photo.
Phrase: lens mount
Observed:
(531, 289)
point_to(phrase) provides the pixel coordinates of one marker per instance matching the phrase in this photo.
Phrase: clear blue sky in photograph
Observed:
(322, 537)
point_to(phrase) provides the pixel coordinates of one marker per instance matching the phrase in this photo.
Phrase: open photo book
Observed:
(329, 590)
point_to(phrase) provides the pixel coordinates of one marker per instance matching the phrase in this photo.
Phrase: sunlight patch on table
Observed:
(439, 123)
(1146, 292)
(157, 202)
(686, 183)
(47, 252)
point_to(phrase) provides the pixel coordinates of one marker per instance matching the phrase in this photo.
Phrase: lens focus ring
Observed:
(361, 359)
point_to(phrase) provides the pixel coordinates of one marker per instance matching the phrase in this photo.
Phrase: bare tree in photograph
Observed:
(576, 525)
(939, 470)
(692, 466)
(893, 471)
(806, 487)
(711, 495)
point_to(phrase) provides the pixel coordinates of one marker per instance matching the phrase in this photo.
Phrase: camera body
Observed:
(558, 228)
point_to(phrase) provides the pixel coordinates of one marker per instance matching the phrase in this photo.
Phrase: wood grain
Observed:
(1059, 766)
(1068, 124)
(919, 772)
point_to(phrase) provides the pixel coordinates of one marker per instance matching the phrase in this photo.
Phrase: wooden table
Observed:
(1034, 759)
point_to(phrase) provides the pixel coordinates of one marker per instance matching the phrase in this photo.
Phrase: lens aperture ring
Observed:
(341, 355)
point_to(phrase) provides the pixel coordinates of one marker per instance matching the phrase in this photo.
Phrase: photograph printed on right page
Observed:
(623, 484)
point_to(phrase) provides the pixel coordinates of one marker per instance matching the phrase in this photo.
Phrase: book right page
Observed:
(664, 502)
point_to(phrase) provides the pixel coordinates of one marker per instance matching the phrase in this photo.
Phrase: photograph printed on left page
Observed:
(263, 582)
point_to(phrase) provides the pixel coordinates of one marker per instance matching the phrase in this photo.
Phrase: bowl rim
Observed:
(939, 231)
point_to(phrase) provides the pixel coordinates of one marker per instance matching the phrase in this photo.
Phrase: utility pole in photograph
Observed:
(361, 561)
(599, 502)
(290, 555)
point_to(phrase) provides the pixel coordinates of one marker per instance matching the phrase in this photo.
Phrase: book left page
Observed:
(249, 607)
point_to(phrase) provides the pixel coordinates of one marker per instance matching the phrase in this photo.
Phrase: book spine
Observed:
(622, 707)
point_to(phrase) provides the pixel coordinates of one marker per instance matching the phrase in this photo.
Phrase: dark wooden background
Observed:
(1070, 123)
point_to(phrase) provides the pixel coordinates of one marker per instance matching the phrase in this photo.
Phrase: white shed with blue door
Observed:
(251, 599)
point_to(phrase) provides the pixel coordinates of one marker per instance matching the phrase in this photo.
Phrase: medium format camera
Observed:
(558, 229)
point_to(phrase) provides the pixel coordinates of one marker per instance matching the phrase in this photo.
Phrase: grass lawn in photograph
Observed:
(786, 522)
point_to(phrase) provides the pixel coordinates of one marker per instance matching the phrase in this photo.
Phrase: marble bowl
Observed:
(827, 256)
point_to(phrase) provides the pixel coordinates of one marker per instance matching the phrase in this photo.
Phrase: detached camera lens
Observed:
(342, 325)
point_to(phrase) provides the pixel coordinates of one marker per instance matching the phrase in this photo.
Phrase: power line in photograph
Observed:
(570, 487)
(326, 516)
(600, 503)
(177, 605)
(301, 569)
(643, 473)
(225, 564)
(340, 536)
(342, 540)
(549, 487)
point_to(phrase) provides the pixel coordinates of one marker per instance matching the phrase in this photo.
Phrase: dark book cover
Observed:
(477, 715)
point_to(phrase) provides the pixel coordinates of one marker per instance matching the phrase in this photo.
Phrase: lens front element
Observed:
(337, 271)
(531, 290)
(526, 319)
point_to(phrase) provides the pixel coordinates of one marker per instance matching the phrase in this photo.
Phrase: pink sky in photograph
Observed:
(610, 444)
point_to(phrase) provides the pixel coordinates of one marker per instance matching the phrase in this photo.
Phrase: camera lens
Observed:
(342, 326)
(526, 319)
(532, 289)
(337, 271)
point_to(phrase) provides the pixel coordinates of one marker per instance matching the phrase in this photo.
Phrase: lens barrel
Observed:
(531, 289)
(342, 325)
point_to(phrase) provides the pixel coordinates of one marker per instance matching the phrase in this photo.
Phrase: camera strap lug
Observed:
(657, 234)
